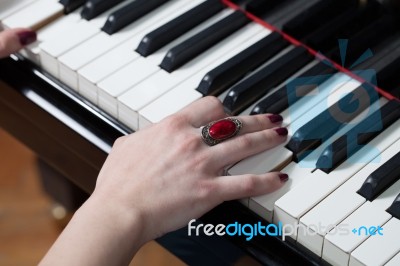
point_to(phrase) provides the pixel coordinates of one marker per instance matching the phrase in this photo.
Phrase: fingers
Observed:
(13, 40)
(246, 145)
(256, 123)
(204, 111)
(243, 186)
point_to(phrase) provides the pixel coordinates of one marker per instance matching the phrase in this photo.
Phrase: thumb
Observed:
(13, 40)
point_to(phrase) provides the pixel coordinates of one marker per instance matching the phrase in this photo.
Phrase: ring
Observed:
(220, 130)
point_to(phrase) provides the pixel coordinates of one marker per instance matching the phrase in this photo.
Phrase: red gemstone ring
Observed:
(220, 130)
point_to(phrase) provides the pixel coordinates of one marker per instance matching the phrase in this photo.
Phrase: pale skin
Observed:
(158, 179)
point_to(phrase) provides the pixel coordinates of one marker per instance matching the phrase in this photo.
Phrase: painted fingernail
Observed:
(275, 118)
(282, 131)
(283, 177)
(27, 37)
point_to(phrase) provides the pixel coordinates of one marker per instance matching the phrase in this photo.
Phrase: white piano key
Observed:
(337, 247)
(156, 85)
(338, 205)
(91, 49)
(35, 15)
(8, 7)
(61, 43)
(97, 70)
(378, 249)
(62, 24)
(395, 261)
(319, 185)
(264, 205)
(171, 103)
(118, 83)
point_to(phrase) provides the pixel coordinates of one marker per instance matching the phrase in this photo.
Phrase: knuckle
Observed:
(175, 121)
(120, 140)
(250, 184)
(206, 188)
(245, 141)
(214, 103)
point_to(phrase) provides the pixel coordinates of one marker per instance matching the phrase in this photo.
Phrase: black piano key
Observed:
(71, 5)
(353, 140)
(130, 13)
(385, 176)
(278, 101)
(394, 209)
(313, 17)
(252, 88)
(223, 76)
(178, 26)
(92, 8)
(192, 47)
(324, 125)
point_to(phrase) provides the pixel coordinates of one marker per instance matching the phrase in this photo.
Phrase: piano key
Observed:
(231, 71)
(162, 82)
(65, 41)
(289, 209)
(130, 13)
(84, 53)
(382, 178)
(338, 247)
(178, 26)
(272, 160)
(395, 261)
(71, 5)
(97, 70)
(192, 47)
(347, 144)
(340, 204)
(384, 246)
(279, 100)
(93, 8)
(245, 92)
(118, 83)
(312, 134)
(8, 7)
(35, 15)
(186, 93)
(394, 209)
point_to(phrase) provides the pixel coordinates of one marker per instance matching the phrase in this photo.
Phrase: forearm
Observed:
(98, 234)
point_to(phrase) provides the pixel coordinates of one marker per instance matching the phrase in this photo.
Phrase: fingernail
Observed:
(283, 177)
(275, 118)
(27, 37)
(282, 131)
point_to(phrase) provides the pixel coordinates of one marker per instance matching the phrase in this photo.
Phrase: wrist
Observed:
(127, 226)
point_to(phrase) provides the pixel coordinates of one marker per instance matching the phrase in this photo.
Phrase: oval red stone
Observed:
(222, 129)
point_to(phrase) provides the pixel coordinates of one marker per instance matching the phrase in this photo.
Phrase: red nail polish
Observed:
(282, 131)
(27, 37)
(275, 118)
(283, 177)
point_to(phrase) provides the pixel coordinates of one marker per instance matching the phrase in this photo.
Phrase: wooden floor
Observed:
(27, 226)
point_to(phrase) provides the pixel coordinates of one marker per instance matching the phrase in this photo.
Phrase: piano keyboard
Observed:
(141, 61)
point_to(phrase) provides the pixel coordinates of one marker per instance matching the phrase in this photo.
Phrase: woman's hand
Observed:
(170, 176)
(158, 179)
(11, 41)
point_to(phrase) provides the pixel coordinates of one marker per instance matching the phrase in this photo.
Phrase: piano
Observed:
(106, 68)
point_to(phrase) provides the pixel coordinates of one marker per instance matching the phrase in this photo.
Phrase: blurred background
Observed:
(30, 221)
